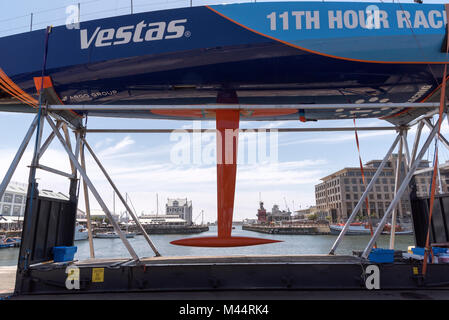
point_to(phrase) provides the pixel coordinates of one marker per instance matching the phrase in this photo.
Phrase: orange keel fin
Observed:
(227, 124)
(217, 242)
(227, 146)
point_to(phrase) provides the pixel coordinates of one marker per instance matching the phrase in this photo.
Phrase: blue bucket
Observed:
(436, 251)
(64, 254)
(379, 255)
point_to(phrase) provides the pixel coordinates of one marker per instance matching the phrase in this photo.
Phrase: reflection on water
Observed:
(292, 244)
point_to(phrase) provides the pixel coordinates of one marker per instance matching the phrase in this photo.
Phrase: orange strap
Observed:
(6, 88)
(434, 175)
(364, 182)
(435, 166)
(10, 87)
(432, 200)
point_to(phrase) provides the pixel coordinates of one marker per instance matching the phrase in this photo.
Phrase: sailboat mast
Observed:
(127, 219)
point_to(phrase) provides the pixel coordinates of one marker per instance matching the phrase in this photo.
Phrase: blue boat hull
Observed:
(304, 53)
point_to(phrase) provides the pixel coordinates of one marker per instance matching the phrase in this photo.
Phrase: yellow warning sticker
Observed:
(415, 270)
(97, 274)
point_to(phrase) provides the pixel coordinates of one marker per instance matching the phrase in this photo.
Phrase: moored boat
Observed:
(354, 228)
(81, 233)
(113, 235)
(358, 228)
(11, 242)
(399, 230)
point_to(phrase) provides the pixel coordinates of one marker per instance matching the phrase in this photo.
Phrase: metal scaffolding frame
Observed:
(396, 185)
(364, 195)
(412, 163)
(399, 193)
(78, 164)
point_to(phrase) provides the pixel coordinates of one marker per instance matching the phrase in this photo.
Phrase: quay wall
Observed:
(160, 229)
(299, 230)
(148, 229)
(175, 230)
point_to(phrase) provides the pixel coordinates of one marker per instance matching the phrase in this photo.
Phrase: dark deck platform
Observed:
(229, 273)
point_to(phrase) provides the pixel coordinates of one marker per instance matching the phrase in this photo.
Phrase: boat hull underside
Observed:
(226, 50)
(271, 73)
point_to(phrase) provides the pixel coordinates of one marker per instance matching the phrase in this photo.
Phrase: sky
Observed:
(146, 166)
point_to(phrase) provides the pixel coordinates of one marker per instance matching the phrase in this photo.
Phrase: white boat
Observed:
(80, 232)
(362, 229)
(113, 235)
(354, 229)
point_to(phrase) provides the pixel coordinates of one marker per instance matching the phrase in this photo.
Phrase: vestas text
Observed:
(135, 33)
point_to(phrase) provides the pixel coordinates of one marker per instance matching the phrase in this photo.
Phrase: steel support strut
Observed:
(416, 142)
(93, 190)
(49, 140)
(86, 201)
(136, 220)
(35, 160)
(364, 195)
(442, 139)
(407, 151)
(399, 194)
(12, 168)
(396, 185)
(248, 130)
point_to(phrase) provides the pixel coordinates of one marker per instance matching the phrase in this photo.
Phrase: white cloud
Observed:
(104, 142)
(143, 179)
(118, 147)
(337, 137)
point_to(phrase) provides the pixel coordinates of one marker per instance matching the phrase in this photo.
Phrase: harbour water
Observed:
(292, 244)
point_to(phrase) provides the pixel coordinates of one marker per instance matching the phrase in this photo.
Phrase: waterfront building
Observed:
(182, 208)
(248, 221)
(13, 203)
(305, 213)
(277, 215)
(14, 199)
(339, 192)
